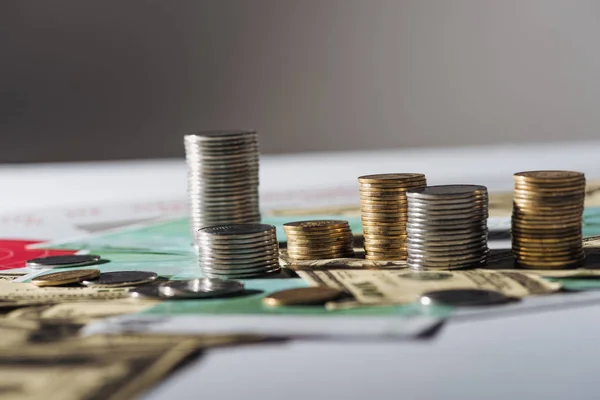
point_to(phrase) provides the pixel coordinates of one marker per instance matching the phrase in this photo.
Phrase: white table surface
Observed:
(549, 355)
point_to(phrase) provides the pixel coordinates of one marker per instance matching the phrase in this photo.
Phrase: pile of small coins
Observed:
(238, 251)
(222, 178)
(384, 213)
(447, 227)
(317, 240)
(547, 219)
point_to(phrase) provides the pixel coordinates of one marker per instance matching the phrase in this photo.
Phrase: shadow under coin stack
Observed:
(222, 178)
(447, 227)
(384, 213)
(317, 240)
(547, 219)
(238, 251)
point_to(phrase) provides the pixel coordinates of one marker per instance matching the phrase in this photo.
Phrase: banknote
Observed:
(371, 287)
(82, 312)
(11, 291)
(96, 367)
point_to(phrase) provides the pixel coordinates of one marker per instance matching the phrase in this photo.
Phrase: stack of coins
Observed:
(547, 219)
(447, 227)
(317, 240)
(384, 213)
(238, 251)
(222, 178)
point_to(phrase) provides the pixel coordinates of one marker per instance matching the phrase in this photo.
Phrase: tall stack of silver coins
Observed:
(447, 227)
(222, 178)
(238, 251)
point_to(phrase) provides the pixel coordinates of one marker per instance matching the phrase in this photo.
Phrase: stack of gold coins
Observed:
(384, 213)
(320, 239)
(547, 219)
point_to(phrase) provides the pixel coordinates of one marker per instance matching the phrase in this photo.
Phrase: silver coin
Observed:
(243, 276)
(239, 262)
(259, 242)
(452, 238)
(427, 217)
(448, 254)
(121, 279)
(64, 261)
(429, 207)
(222, 134)
(446, 226)
(438, 191)
(238, 230)
(216, 255)
(200, 288)
(450, 248)
(262, 269)
(232, 266)
(442, 261)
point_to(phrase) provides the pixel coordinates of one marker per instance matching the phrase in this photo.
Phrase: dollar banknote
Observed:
(370, 287)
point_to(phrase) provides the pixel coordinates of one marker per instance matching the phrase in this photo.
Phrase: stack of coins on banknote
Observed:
(238, 251)
(222, 178)
(447, 227)
(319, 239)
(384, 213)
(547, 219)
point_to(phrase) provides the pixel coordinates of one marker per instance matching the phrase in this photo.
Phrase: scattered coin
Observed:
(75, 260)
(65, 278)
(121, 279)
(547, 219)
(464, 297)
(200, 288)
(447, 237)
(302, 296)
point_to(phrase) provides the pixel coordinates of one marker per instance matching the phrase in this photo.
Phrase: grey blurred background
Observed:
(108, 79)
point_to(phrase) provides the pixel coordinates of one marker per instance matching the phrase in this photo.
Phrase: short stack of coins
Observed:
(547, 219)
(238, 251)
(319, 239)
(384, 213)
(447, 227)
(222, 178)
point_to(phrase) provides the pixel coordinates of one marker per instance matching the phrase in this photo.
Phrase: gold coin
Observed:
(394, 184)
(404, 177)
(382, 196)
(311, 257)
(549, 175)
(551, 190)
(320, 235)
(302, 296)
(324, 252)
(525, 240)
(318, 250)
(316, 225)
(65, 277)
(398, 201)
(546, 217)
(313, 243)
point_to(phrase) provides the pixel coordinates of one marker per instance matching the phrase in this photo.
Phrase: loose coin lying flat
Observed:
(464, 297)
(302, 296)
(121, 278)
(73, 260)
(65, 278)
(200, 288)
